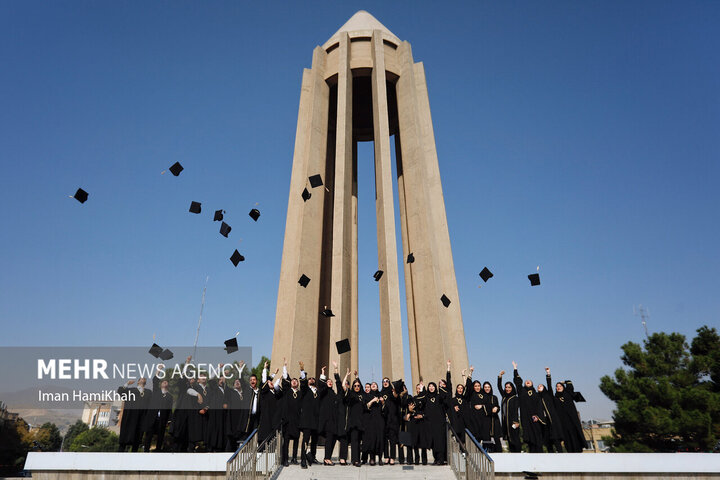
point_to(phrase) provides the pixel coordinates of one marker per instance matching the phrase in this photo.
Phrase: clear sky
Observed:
(582, 137)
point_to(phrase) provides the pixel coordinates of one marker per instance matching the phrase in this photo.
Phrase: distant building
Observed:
(594, 431)
(102, 414)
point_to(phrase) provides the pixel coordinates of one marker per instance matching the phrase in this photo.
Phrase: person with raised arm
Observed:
(479, 425)
(342, 388)
(269, 403)
(458, 410)
(552, 430)
(158, 412)
(567, 411)
(510, 417)
(133, 413)
(392, 420)
(309, 418)
(354, 399)
(292, 406)
(492, 422)
(532, 416)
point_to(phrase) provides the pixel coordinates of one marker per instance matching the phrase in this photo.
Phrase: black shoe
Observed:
(303, 465)
(372, 462)
(294, 461)
(357, 464)
(286, 464)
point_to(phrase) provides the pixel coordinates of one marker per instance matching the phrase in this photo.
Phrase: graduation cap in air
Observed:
(410, 258)
(445, 300)
(315, 181)
(225, 229)
(343, 346)
(176, 169)
(155, 350)
(534, 279)
(218, 216)
(486, 274)
(578, 397)
(378, 275)
(306, 195)
(327, 313)
(304, 280)
(236, 258)
(166, 354)
(398, 385)
(231, 345)
(195, 207)
(81, 195)
(254, 214)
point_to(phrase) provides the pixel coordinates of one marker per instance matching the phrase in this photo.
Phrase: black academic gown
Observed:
(553, 431)
(158, 412)
(133, 413)
(530, 406)
(327, 423)
(492, 422)
(479, 423)
(292, 408)
(435, 415)
(271, 408)
(237, 412)
(458, 409)
(418, 424)
(374, 433)
(179, 428)
(309, 407)
(510, 416)
(216, 417)
(198, 415)
(567, 411)
(391, 412)
(341, 408)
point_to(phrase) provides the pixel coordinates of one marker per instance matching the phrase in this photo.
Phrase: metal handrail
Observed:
(243, 463)
(468, 460)
(270, 451)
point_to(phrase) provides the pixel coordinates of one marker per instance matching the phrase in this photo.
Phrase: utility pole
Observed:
(644, 314)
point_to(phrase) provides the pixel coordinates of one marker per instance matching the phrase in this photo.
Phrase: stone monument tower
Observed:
(364, 86)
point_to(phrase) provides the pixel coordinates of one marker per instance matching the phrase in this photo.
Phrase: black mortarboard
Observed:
(410, 258)
(195, 207)
(166, 354)
(534, 279)
(578, 397)
(155, 350)
(327, 313)
(304, 280)
(315, 181)
(254, 214)
(225, 229)
(81, 195)
(306, 195)
(342, 346)
(398, 385)
(231, 345)
(486, 274)
(378, 275)
(236, 258)
(218, 216)
(445, 301)
(531, 475)
(176, 169)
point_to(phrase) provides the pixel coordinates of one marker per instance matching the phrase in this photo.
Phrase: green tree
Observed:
(47, 438)
(75, 429)
(667, 397)
(257, 371)
(97, 439)
(13, 448)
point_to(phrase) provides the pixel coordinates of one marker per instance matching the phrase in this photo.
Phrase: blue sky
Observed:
(578, 136)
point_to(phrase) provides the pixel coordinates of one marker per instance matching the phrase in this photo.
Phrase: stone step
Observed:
(366, 472)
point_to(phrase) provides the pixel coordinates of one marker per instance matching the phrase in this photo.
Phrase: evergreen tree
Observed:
(97, 439)
(73, 431)
(668, 397)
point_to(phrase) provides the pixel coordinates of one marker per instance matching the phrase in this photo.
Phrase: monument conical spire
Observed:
(363, 23)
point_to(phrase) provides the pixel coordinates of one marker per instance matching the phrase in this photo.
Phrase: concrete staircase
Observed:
(366, 472)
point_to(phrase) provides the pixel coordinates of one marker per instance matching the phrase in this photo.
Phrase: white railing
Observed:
(468, 460)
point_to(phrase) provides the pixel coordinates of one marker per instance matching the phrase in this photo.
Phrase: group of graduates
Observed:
(378, 423)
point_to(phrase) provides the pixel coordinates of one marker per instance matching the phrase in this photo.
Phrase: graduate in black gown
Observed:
(458, 411)
(510, 417)
(327, 419)
(532, 416)
(552, 430)
(185, 404)
(238, 403)
(392, 420)
(418, 424)
(479, 425)
(198, 418)
(567, 411)
(158, 413)
(405, 450)
(309, 418)
(342, 387)
(435, 416)
(354, 399)
(372, 441)
(292, 406)
(492, 422)
(217, 412)
(134, 409)
(270, 405)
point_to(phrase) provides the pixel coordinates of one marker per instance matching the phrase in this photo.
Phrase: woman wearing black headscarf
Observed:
(417, 425)
(435, 414)
(354, 399)
(565, 405)
(392, 420)
(342, 387)
(552, 431)
(510, 417)
(459, 411)
(492, 422)
(532, 416)
(375, 424)
(479, 425)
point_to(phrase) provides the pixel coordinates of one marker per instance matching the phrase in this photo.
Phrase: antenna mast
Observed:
(202, 306)
(644, 314)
